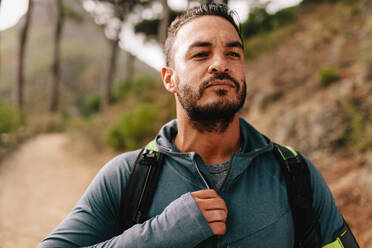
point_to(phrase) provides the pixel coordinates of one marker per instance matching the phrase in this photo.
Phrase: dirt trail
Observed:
(46, 176)
(39, 184)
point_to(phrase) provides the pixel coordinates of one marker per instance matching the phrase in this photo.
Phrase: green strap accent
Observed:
(152, 147)
(281, 153)
(292, 150)
(336, 244)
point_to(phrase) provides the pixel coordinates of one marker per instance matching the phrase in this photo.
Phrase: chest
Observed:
(259, 214)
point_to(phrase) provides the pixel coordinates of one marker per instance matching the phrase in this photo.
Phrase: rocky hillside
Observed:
(311, 89)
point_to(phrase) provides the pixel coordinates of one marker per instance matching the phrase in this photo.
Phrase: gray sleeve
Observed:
(324, 205)
(94, 221)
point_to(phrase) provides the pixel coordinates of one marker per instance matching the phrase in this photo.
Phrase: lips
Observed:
(227, 83)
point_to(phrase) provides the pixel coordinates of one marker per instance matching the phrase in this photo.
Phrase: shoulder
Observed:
(121, 163)
(324, 204)
(113, 175)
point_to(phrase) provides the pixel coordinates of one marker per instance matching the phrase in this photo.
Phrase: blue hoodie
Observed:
(254, 192)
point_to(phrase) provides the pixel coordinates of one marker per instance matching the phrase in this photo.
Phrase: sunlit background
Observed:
(12, 10)
(73, 97)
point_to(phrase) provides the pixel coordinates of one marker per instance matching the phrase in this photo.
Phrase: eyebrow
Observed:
(208, 44)
(235, 44)
(200, 44)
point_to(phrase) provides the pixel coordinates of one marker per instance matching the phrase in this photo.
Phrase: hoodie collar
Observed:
(253, 142)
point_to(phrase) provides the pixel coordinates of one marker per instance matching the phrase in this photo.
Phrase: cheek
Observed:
(240, 71)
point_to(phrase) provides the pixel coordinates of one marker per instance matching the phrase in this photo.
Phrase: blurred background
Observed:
(80, 83)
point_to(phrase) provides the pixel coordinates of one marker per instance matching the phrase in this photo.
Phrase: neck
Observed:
(213, 147)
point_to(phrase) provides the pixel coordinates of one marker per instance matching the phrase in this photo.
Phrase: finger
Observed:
(211, 204)
(215, 216)
(218, 228)
(204, 194)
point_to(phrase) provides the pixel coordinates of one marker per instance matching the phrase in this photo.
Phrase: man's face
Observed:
(208, 68)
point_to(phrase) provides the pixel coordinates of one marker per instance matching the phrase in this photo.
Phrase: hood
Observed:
(253, 145)
(253, 142)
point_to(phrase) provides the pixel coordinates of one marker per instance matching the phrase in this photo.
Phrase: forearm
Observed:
(181, 224)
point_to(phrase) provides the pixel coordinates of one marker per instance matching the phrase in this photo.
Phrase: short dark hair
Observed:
(205, 9)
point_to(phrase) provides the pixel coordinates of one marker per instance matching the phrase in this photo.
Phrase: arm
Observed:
(94, 222)
(331, 220)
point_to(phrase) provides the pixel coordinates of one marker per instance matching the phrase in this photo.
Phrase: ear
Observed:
(168, 76)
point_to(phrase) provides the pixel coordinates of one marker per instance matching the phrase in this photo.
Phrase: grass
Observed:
(133, 128)
(359, 133)
(328, 75)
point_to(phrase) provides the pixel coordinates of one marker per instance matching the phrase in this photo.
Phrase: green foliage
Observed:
(359, 135)
(264, 42)
(318, 1)
(72, 14)
(260, 21)
(256, 45)
(347, 2)
(89, 105)
(93, 103)
(328, 75)
(123, 88)
(148, 26)
(8, 118)
(133, 128)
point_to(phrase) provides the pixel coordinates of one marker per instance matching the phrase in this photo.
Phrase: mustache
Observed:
(219, 76)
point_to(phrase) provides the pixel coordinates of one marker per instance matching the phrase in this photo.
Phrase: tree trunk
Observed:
(19, 101)
(130, 67)
(0, 48)
(163, 25)
(107, 96)
(54, 97)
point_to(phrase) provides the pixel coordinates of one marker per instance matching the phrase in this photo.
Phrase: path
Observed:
(39, 184)
(42, 180)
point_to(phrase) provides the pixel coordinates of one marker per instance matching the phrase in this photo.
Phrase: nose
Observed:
(218, 65)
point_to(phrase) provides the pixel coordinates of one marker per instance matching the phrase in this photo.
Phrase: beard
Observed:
(216, 116)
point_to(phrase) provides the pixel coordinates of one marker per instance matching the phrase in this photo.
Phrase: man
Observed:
(221, 184)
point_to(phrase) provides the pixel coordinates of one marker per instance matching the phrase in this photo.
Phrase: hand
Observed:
(213, 208)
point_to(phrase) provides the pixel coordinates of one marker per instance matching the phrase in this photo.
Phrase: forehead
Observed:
(205, 28)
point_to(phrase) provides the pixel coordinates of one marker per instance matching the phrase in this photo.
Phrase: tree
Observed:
(151, 27)
(164, 22)
(19, 101)
(116, 12)
(54, 97)
(214, 1)
(0, 42)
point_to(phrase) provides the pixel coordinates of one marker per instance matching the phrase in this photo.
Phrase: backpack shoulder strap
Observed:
(140, 187)
(300, 196)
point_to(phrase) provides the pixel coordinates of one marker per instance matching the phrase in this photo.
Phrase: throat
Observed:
(211, 125)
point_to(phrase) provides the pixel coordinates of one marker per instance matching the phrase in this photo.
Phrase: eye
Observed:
(234, 54)
(200, 55)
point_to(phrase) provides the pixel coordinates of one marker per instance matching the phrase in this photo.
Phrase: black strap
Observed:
(346, 237)
(140, 188)
(300, 196)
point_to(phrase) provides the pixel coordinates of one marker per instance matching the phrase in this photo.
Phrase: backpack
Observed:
(140, 188)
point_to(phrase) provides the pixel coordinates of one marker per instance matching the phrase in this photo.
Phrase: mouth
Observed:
(221, 83)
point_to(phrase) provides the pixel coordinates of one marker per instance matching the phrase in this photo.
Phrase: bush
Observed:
(123, 88)
(88, 106)
(260, 21)
(8, 118)
(359, 135)
(328, 75)
(93, 103)
(133, 128)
